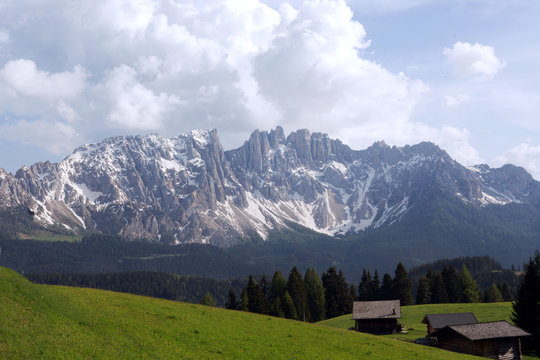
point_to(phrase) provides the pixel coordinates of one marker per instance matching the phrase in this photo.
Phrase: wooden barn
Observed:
(436, 322)
(494, 340)
(377, 317)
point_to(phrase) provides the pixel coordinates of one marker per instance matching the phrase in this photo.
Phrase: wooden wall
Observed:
(377, 326)
(500, 349)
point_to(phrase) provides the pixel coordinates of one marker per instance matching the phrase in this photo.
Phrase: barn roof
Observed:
(438, 321)
(488, 330)
(384, 309)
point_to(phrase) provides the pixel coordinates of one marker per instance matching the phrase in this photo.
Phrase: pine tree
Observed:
(288, 306)
(208, 300)
(493, 294)
(423, 292)
(345, 300)
(276, 294)
(364, 286)
(232, 302)
(438, 290)
(263, 284)
(386, 287)
(526, 308)
(506, 293)
(469, 289)
(277, 309)
(277, 286)
(256, 299)
(295, 287)
(375, 288)
(330, 284)
(402, 286)
(352, 297)
(315, 295)
(451, 281)
(244, 303)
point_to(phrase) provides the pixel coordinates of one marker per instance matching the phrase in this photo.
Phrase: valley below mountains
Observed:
(188, 189)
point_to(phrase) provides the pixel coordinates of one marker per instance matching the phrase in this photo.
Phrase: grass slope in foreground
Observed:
(51, 322)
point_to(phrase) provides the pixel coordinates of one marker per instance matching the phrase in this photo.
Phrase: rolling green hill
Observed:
(51, 322)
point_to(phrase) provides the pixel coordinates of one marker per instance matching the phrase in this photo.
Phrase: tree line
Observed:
(312, 298)
(147, 283)
(449, 286)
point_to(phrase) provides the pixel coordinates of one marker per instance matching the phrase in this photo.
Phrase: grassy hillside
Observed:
(51, 322)
(412, 316)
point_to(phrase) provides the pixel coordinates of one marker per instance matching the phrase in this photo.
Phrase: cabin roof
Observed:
(384, 309)
(488, 330)
(438, 321)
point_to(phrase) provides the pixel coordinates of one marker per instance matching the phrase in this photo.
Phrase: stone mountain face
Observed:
(188, 189)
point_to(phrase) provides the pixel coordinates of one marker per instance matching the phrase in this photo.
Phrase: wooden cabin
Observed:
(495, 340)
(377, 317)
(436, 322)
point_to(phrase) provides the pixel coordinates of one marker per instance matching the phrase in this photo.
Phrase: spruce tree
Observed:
(256, 299)
(276, 308)
(438, 290)
(365, 286)
(315, 295)
(402, 286)
(336, 291)
(244, 303)
(423, 292)
(506, 293)
(288, 306)
(276, 294)
(451, 282)
(469, 289)
(526, 308)
(375, 288)
(386, 287)
(346, 303)
(352, 293)
(330, 283)
(265, 287)
(208, 300)
(277, 286)
(295, 287)
(232, 302)
(493, 294)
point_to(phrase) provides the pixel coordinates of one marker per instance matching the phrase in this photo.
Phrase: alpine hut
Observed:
(377, 317)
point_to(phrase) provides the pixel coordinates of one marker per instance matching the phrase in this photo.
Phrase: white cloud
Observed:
(25, 78)
(133, 105)
(473, 60)
(455, 100)
(55, 137)
(67, 112)
(526, 155)
(171, 66)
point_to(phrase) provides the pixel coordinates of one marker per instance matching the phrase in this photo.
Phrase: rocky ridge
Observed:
(188, 189)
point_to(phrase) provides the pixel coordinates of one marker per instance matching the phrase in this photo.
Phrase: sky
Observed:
(463, 74)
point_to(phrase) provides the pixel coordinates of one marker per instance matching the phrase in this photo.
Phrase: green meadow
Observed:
(54, 322)
(412, 316)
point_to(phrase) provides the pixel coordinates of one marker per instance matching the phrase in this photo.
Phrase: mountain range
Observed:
(187, 189)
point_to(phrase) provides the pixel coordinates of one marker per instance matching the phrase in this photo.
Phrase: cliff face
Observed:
(188, 189)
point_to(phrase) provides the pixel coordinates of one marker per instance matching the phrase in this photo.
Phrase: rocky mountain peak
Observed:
(188, 189)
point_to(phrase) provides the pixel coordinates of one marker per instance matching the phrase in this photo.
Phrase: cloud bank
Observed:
(79, 72)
